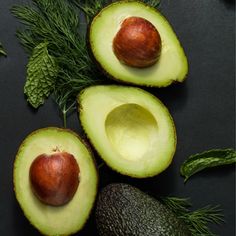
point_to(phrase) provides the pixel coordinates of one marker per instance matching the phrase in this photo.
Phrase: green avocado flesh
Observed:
(172, 64)
(50, 220)
(124, 210)
(131, 129)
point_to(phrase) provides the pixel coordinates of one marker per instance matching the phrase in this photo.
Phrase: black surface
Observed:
(202, 107)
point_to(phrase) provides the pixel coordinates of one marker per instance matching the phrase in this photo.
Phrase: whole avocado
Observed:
(123, 210)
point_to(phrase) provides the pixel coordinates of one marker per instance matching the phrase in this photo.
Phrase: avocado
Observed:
(124, 210)
(130, 128)
(171, 66)
(71, 216)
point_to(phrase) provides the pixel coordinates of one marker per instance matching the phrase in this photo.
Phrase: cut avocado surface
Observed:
(125, 210)
(51, 220)
(172, 64)
(130, 128)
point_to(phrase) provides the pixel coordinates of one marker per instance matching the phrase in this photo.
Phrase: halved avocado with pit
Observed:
(172, 63)
(130, 128)
(67, 218)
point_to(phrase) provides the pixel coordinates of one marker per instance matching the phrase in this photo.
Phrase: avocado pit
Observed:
(54, 178)
(137, 43)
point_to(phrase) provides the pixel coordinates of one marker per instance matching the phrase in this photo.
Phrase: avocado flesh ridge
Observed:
(49, 220)
(130, 128)
(125, 210)
(172, 64)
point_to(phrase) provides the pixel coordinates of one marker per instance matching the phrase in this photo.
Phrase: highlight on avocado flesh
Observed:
(55, 181)
(54, 178)
(137, 43)
(122, 57)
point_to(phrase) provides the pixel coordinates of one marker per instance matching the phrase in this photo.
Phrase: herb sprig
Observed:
(197, 221)
(208, 159)
(41, 73)
(2, 51)
(153, 3)
(90, 7)
(58, 23)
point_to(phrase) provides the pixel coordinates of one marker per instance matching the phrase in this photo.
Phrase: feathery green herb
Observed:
(208, 159)
(2, 51)
(58, 23)
(197, 221)
(178, 205)
(90, 7)
(153, 3)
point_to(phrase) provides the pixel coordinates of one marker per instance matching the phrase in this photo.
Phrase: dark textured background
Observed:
(202, 107)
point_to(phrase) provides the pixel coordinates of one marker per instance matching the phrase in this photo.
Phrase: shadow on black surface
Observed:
(30, 108)
(162, 184)
(90, 226)
(173, 96)
(229, 3)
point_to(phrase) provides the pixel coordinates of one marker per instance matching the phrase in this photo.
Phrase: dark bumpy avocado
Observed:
(130, 128)
(70, 217)
(172, 64)
(123, 210)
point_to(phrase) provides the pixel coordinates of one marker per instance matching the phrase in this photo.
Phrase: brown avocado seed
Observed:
(54, 178)
(137, 43)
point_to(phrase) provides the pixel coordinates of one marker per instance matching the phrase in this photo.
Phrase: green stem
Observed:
(64, 113)
(2, 52)
(101, 165)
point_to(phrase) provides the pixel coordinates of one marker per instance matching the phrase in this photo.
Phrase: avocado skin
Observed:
(123, 210)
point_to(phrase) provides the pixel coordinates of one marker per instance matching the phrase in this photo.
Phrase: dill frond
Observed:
(58, 23)
(197, 221)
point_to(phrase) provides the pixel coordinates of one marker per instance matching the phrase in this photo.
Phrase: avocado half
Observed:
(130, 128)
(172, 64)
(51, 220)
